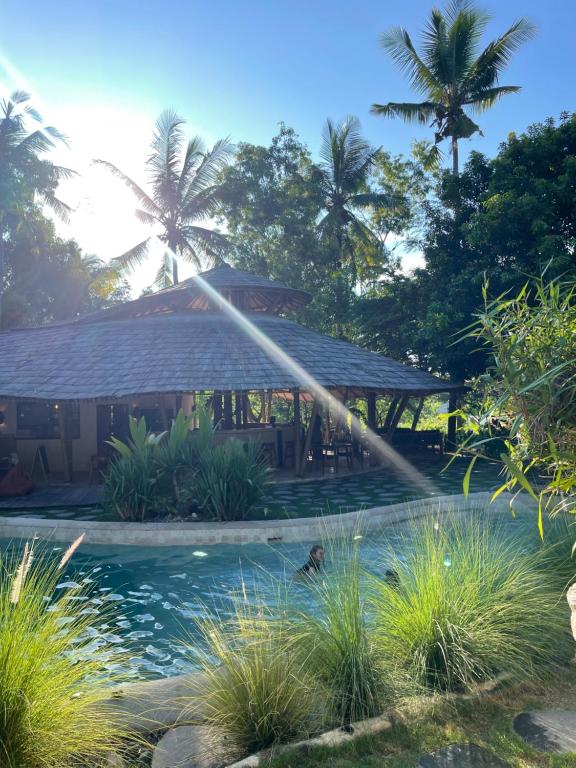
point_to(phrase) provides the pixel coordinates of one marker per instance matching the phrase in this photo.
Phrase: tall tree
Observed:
(183, 179)
(516, 218)
(26, 177)
(342, 176)
(452, 74)
(271, 207)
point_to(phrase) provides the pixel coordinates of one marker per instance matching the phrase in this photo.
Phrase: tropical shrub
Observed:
(136, 487)
(257, 689)
(179, 471)
(230, 479)
(334, 633)
(530, 391)
(52, 688)
(468, 604)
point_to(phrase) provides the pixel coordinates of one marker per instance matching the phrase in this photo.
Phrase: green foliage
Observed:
(514, 217)
(53, 688)
(469, 604)
(258, 690)
(530, 392)
(42, 277)
(230, 480)
(451, 72)
(184, 192)
(155, 475)
(274, 197)
(335, 635)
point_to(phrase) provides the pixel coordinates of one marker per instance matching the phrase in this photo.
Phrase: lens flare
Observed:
(380, 447)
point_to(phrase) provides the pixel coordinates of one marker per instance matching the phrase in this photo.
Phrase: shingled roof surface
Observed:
(184, 352)
(259, 295)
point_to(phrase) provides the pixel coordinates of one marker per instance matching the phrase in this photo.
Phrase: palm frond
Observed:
(436, 46)
(61, 210)
(63, 173)
(487, 97)
(192, 158)
(207, 172)
(37, 141)
(163, 164)
(376, 200)
(464, 36)
(143, 198)
(484, 72)
(145, 218)
(55, 134)
(198, 242)
(422, 112)
(398, 44)
(163, 278)
(133, 258)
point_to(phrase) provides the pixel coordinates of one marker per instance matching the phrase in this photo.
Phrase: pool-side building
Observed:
(66, 388)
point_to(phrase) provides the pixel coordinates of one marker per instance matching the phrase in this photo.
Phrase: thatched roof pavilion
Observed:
(179, 341)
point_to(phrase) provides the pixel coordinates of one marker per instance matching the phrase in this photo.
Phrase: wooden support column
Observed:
(297, 433)
(391, 413)
(217, 408)
(417, 413)
(398, 414)
(372, 425)
(371, 403)
(65, 439)
(228, 422)
(316, 410)
(238, 409)
(244, 400)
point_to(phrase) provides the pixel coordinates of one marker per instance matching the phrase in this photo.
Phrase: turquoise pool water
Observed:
(156, 593)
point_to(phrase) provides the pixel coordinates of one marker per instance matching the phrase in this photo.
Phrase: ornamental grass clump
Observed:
(468, 604)
(334, 634)
(52, 688)
(257, 690)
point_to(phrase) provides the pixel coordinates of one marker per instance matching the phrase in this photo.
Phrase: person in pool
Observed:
(392, 577)
(314, 563)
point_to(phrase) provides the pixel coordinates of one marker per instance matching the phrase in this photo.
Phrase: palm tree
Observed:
(451, 73)
(347, 161)
(25, 178)
(184, 190)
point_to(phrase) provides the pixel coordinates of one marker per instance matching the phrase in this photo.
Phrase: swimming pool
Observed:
(157, 592)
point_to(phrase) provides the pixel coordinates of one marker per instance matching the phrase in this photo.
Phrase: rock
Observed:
(153, 706)
(571, 597)
(549, 730)
(187, 746)
(114, 761)
(462, 756)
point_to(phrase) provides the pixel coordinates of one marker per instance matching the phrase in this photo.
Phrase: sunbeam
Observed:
(381, 448)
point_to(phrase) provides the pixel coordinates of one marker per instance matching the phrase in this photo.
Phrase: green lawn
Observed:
(424, 727)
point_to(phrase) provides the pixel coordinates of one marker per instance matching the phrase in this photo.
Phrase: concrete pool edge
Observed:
(241, 532)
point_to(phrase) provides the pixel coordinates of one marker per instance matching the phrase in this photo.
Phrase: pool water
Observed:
(157, 592)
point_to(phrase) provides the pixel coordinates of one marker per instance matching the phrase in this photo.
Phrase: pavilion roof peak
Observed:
(245, 290)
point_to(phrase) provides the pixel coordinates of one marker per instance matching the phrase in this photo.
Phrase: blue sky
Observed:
(103, 70)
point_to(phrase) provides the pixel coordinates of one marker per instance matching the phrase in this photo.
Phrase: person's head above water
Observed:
(392, 577)
(314, 562)
(317, 554)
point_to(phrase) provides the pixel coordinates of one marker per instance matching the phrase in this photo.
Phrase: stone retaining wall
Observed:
(261, 531)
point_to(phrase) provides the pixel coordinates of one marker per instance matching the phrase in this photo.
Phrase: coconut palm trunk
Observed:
(455, 168)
